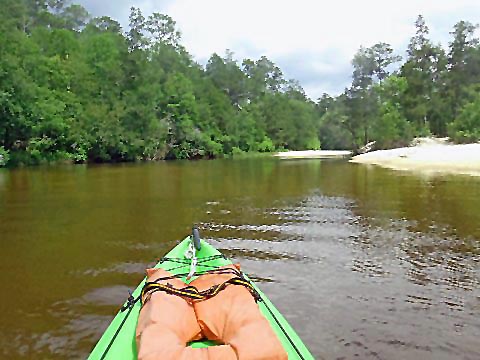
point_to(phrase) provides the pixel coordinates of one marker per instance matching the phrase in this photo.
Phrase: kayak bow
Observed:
(118, 341)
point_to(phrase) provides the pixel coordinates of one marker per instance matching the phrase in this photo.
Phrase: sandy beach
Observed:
(430, 155)
(313, 154)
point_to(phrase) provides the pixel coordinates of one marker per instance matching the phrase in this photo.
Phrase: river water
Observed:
(364, 262)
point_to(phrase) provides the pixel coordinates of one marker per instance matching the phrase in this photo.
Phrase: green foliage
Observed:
(237, 151)
(331, 131)
(312, 143)
(4, 156)
(431, 88)
(76, 89)
(463, 64)
(466, 127)
(80, 90)
(266, 145)
(370, 68)
(227, 75)
(425, 71)
(391, 128)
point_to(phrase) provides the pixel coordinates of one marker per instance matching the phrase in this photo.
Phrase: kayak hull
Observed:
(118, 341)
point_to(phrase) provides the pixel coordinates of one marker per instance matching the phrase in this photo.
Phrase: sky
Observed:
(312, 41)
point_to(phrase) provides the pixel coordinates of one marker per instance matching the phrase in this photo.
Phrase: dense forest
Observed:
(75, 88)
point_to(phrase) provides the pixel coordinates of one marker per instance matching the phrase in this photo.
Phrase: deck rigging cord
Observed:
(192, 293)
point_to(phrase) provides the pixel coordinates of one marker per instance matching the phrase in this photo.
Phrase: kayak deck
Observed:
(118, 341)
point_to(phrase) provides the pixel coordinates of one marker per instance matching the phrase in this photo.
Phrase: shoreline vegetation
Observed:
(80, 89)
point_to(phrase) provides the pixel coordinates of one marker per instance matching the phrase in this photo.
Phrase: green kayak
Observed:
(118, 341)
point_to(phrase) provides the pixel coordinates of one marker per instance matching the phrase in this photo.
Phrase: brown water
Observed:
(364, 262)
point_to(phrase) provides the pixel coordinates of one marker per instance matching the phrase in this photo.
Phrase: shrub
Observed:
(466, 127)
(4, 156)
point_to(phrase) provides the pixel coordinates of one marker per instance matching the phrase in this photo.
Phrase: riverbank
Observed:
(427, 156)
(313, 154)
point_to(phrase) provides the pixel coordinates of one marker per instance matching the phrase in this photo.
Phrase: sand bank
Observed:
(313, 154)
(428, 156)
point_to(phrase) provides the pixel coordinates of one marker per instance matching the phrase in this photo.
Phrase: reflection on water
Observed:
(3, 177)
(364, 262)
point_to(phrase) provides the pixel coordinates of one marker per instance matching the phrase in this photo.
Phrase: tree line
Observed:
(81, 89)
(434, 92)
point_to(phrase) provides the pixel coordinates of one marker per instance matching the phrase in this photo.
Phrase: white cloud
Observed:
(321, 36)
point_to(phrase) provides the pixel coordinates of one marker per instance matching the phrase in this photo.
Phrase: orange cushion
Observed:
(234, 318)
(167, 323)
